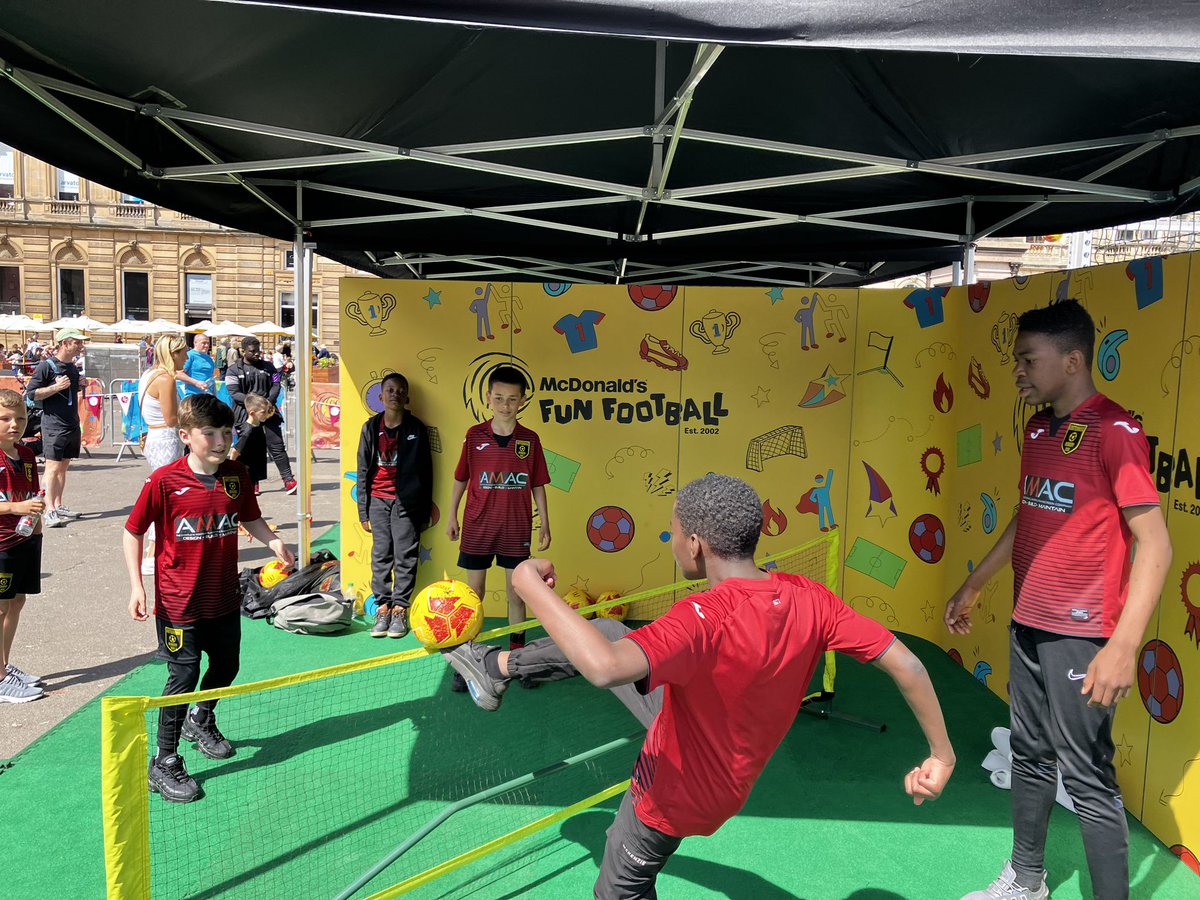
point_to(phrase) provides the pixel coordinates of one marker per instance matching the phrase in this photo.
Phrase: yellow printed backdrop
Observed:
(889, 415)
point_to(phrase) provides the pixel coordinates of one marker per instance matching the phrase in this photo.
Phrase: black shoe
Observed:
(399, 624)
(203, 732)
(169, 778)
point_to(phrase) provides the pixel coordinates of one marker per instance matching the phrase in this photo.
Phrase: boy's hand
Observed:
(29, 507)
(1109, 677)
(282, 553)
(928, 780)
(958, 610)
(366, 526)
(543, 537)
(137, 603)
(452, 529)
(533, 572)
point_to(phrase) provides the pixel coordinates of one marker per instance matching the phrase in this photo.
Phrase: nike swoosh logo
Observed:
(481, 447)
(1127, 427)
(1071, 674)
(413, 437)
(181, 491)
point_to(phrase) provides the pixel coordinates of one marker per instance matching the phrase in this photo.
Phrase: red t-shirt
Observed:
(1071, 555)
(387, 452)
(18, 482)
(500, 478)
(196, 519)
(736, 662)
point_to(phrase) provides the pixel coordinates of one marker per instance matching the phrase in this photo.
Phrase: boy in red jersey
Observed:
(20, 556)
(196, 504)
(1082, 603)
(501, 466)
(718, 679)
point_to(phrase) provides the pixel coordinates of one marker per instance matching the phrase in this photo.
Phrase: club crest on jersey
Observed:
(232, 486)
(29, 471)
(521, 448)
(173, 637)
(5, 582)
(1073, 438)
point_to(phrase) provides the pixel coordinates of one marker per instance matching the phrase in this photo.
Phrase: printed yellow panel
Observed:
(606, 372)
(1166, 700)
(769, 375)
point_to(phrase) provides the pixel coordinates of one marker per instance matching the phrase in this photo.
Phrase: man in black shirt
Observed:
(254, 375)
(54, 386)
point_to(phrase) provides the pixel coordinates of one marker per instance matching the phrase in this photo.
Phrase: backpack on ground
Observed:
(321, 574)
(311, 614)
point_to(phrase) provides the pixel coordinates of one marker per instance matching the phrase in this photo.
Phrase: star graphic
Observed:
(433, 298)
(1125, 751)
(762, 395)
(928, 609)
(581, 583)
(776, 294)
(426, 553)
(996, 444)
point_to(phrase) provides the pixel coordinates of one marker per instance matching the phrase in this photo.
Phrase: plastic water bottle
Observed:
(28, 522)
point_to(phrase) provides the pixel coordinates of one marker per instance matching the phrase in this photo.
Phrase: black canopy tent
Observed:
(483, 139)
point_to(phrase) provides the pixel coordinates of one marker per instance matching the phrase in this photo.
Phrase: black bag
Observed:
(323, 569)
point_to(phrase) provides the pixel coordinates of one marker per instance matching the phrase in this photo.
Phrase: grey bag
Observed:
(311, 614)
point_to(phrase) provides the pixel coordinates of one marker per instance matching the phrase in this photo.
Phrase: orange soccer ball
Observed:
(445, 614)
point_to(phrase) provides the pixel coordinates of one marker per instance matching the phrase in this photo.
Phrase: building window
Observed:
(8, 172)
(289, 259)
(70, 292)
(287, 311)
(10, 290)
(68, 185)
(129, 198)
(135, 295)
(197, 297)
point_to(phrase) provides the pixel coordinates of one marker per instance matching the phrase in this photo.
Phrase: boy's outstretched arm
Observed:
(604, 663)
(259, 529)
(926, 781)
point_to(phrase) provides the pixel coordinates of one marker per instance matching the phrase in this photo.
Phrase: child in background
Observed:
(20, 556)
(249, 445)
(196, 504)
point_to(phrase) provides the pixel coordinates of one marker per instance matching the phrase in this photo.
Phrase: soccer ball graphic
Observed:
(1160, 681)
(652, 297)
(927, 538)
(617, 611)
(445, 614)
(577, 599)
(610, 529)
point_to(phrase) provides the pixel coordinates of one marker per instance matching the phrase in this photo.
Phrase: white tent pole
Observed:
(969, 252)
(303, 357)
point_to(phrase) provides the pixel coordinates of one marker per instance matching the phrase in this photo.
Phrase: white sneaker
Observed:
(13, 691)
(66, 513)
(1005, 887)
(147, 565)
(53, 520)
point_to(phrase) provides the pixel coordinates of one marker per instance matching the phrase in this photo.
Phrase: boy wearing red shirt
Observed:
(1082, 600)
(501, 467)
(718, 679)
(195, 504)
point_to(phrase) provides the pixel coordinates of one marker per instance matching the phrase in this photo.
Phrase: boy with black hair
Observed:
(501, 468)
(395, 499)
(251, 374)
(20, 555)
(1082, 603)
(717, 680)
(196, 504)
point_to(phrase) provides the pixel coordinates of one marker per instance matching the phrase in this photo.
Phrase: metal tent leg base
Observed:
(821, 707)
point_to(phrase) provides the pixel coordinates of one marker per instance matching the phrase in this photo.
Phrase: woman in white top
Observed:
(159, 402)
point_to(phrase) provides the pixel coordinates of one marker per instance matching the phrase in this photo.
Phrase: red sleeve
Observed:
(148, 508)
(675, 644)
(558, 326)
(540, 474)
(847, 631)
(1126, 455)
(31, 458)
(462, 472)
(250, 509)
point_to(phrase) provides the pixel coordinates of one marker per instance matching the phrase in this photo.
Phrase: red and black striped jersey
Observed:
(195, 518)
(1072, 551)
(18, 482)
(500, 474)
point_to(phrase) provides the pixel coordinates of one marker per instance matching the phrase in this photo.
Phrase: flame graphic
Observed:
(943, 395)
(774, 521)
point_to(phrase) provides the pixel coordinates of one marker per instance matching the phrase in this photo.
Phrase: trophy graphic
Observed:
(715, 328)
(372, 310)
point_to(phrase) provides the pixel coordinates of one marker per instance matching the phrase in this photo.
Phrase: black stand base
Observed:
(821, 706)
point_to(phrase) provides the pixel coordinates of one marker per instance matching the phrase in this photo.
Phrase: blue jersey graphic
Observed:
(580, 330)
(928, 305)
(1147, 278)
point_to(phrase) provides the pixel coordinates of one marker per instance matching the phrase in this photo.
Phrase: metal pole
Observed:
(969, 231)
(956, 274)
(303, 357)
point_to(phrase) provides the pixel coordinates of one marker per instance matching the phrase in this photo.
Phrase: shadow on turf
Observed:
(74, 677)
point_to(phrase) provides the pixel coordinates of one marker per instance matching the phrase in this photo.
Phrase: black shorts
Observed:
(60, 445)
(483, 561)
(21, 568)
(183, 644)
